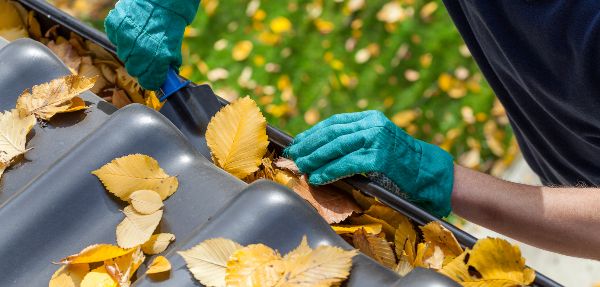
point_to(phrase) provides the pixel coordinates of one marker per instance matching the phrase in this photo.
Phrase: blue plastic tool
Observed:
(172, 84)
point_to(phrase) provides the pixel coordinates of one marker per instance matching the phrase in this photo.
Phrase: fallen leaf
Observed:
(152, 101)
(388, 230)
(160, 264)
(130, 85)
(136, 228)
(324, 266)
(122, 268)
(120, 99)
(45, 100)
(130, 173)
(98, 277)
(375, 247)
(457, 269)
(390, 216)
(13, 136)
(254, 265)
(438, 235)
(436, 259)
(364, 201)
(207, 261)
(373, 228)
(302, 250)
(69, 275)
(145, 201)
(158, 243)
(96, 253)
(288, 165)
(333, 205)
(404, 265)
(77, 104)
(89, 70)
(405, 239)
(500, 263)
(12, 26)
(237, 137)
(67, 54)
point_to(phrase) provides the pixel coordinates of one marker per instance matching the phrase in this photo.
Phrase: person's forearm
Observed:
(564, 220)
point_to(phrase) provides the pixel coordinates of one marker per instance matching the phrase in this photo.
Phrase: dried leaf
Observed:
(77, 104)
(98, 277)
(391, 216)
(332, 204)
(237, 137)
(158, 243)
(96, 253)
(373, 228)
(145, 201)
(152, 101)
(367, 219)
(69, 275)
(364, 201)
(88, 69)
(12, 26)
(207, 261)
(499, 263)
(67, 54)
(438, 235)
(136, 228)
(160, 264)
(457, 269)
(122, 268)
(254, 265)
(375, 247)
(127, 174)
(436, 259)
(120, 99)
(130, 85)
(302, 250)
(405, 239)
(45, 100)
(404, 265)
(288, 165)
(324, 266)
(13, 136)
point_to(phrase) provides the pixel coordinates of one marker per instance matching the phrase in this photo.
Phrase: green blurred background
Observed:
(303, 61)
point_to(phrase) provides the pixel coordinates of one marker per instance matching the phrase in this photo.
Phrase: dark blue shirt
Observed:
(542, 58)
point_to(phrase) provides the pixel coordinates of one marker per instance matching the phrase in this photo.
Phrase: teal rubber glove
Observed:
(369, 143)
(148, 36)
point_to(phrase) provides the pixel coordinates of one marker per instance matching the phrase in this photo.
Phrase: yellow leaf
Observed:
(390, 216)
(160, 264)
(157, 243)
(130, 85)
(96, 253)
(499, 263)
(122, 268)
(207, 261)
(324, 266)
(457, 269)
(254, 265)
(364, 201)
(302, 250)
(127, 174)
(47, 99)
(145, 201)
(119, 98)
(12, 26)
(152, 101)
(367, 219)
(280, 25)
(98, 277)
(67, 54)
(136, 228)
(89, 70)
(438, 235)
(77, 104)
(404, 265)
(237, 137)
(375, 247)
(436, 259)
(405, 239)
(13, 135)
(242, 50)
(373, 228)
(69, 275)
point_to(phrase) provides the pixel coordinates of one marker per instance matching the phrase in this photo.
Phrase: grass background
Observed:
(303, 61)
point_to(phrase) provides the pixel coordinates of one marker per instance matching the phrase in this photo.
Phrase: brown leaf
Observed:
(375, 247)
(333, 205)
(438, 235)
(67, 54)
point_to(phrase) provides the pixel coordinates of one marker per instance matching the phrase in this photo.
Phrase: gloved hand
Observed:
(367, 142)
(148, 36)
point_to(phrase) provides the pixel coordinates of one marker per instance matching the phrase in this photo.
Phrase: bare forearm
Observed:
(564, 220)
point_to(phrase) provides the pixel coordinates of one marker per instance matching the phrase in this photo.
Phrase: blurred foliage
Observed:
(303, 61)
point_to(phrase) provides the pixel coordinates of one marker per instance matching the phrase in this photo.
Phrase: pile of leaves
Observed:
(237, 138)
(222, 262)
(82, 57)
